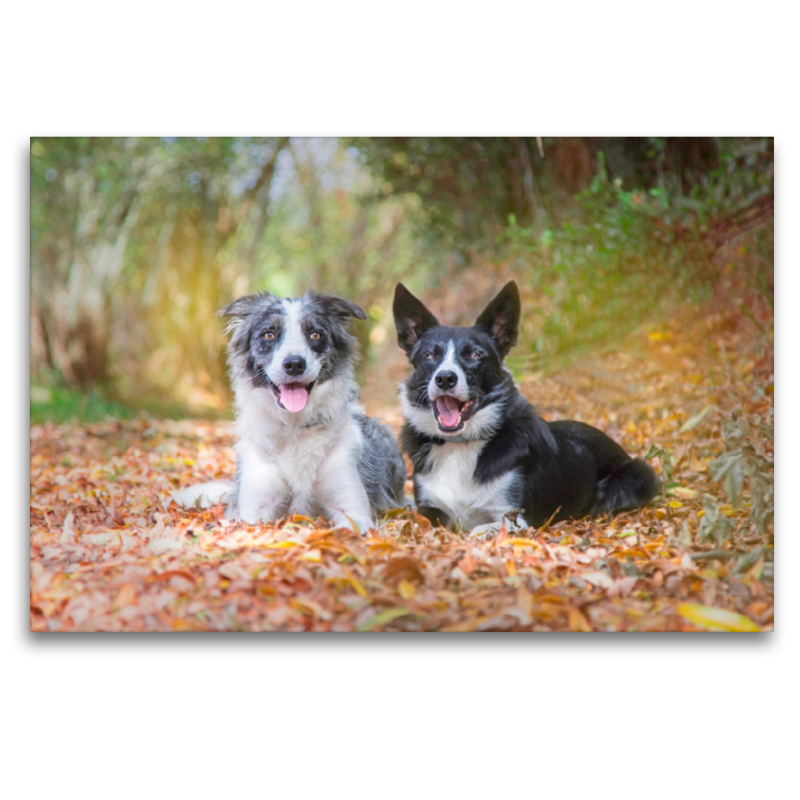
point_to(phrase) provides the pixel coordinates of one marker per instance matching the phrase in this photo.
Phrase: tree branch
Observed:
(264, 179)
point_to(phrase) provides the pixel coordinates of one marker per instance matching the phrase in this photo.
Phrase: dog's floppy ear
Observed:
(239, 311)
(243, 306)
(342, 307)
(411, 318)
(500, 319)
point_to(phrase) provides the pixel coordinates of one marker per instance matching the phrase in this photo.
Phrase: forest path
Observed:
(106, 554)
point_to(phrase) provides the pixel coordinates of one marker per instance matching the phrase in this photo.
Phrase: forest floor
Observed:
(697, 392)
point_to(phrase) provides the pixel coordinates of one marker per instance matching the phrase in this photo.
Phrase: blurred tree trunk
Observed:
(531, 185)
(96, 266)
(72, 294)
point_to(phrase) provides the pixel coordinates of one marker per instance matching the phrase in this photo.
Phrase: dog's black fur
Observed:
(550, 470)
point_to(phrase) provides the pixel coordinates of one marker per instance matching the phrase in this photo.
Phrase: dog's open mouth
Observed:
(451, 413)
(292, 396)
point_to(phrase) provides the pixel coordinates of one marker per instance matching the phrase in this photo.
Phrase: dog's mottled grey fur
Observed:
(381, 466)
(321, 454)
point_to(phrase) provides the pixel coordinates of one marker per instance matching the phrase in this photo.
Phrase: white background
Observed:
(649, 715)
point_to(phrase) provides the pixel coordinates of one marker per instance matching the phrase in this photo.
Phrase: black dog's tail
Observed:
(628, 486)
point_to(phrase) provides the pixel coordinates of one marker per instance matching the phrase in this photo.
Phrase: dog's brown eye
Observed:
(429, 356)
(476, 354)
(269, 335)
(316, 335)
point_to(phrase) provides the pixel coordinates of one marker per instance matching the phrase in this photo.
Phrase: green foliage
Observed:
(746, 459)
(61, 405)
(714, 525)
(624, 257)
(604, 271)
(654, 451)
(608, 232)
(467, 186)
(746, 172)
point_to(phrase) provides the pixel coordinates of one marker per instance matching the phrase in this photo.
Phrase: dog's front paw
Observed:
(255, 514)
(356, 523)
(362, 526)
(203, 495)
(484, 533)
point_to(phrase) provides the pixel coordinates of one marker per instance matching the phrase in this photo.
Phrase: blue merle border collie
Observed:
(303, 442)
(479, 449)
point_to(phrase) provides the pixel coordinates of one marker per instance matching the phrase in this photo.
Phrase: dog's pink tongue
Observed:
(448, 411)
(294, 396)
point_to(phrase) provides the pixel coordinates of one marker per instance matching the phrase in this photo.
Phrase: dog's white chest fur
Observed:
(450, 485)
(306, 470)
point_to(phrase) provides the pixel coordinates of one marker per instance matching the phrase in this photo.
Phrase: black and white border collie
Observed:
(479, 449)
(303, 442)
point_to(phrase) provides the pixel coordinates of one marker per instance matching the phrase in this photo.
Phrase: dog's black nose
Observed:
(446, 379)
(294, 365)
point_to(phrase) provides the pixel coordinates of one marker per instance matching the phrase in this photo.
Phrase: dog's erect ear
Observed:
(411, 318)
(500, 319)
(243, 306)
(342, 307)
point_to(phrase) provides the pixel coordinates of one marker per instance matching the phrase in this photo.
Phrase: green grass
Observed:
(61, 405)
